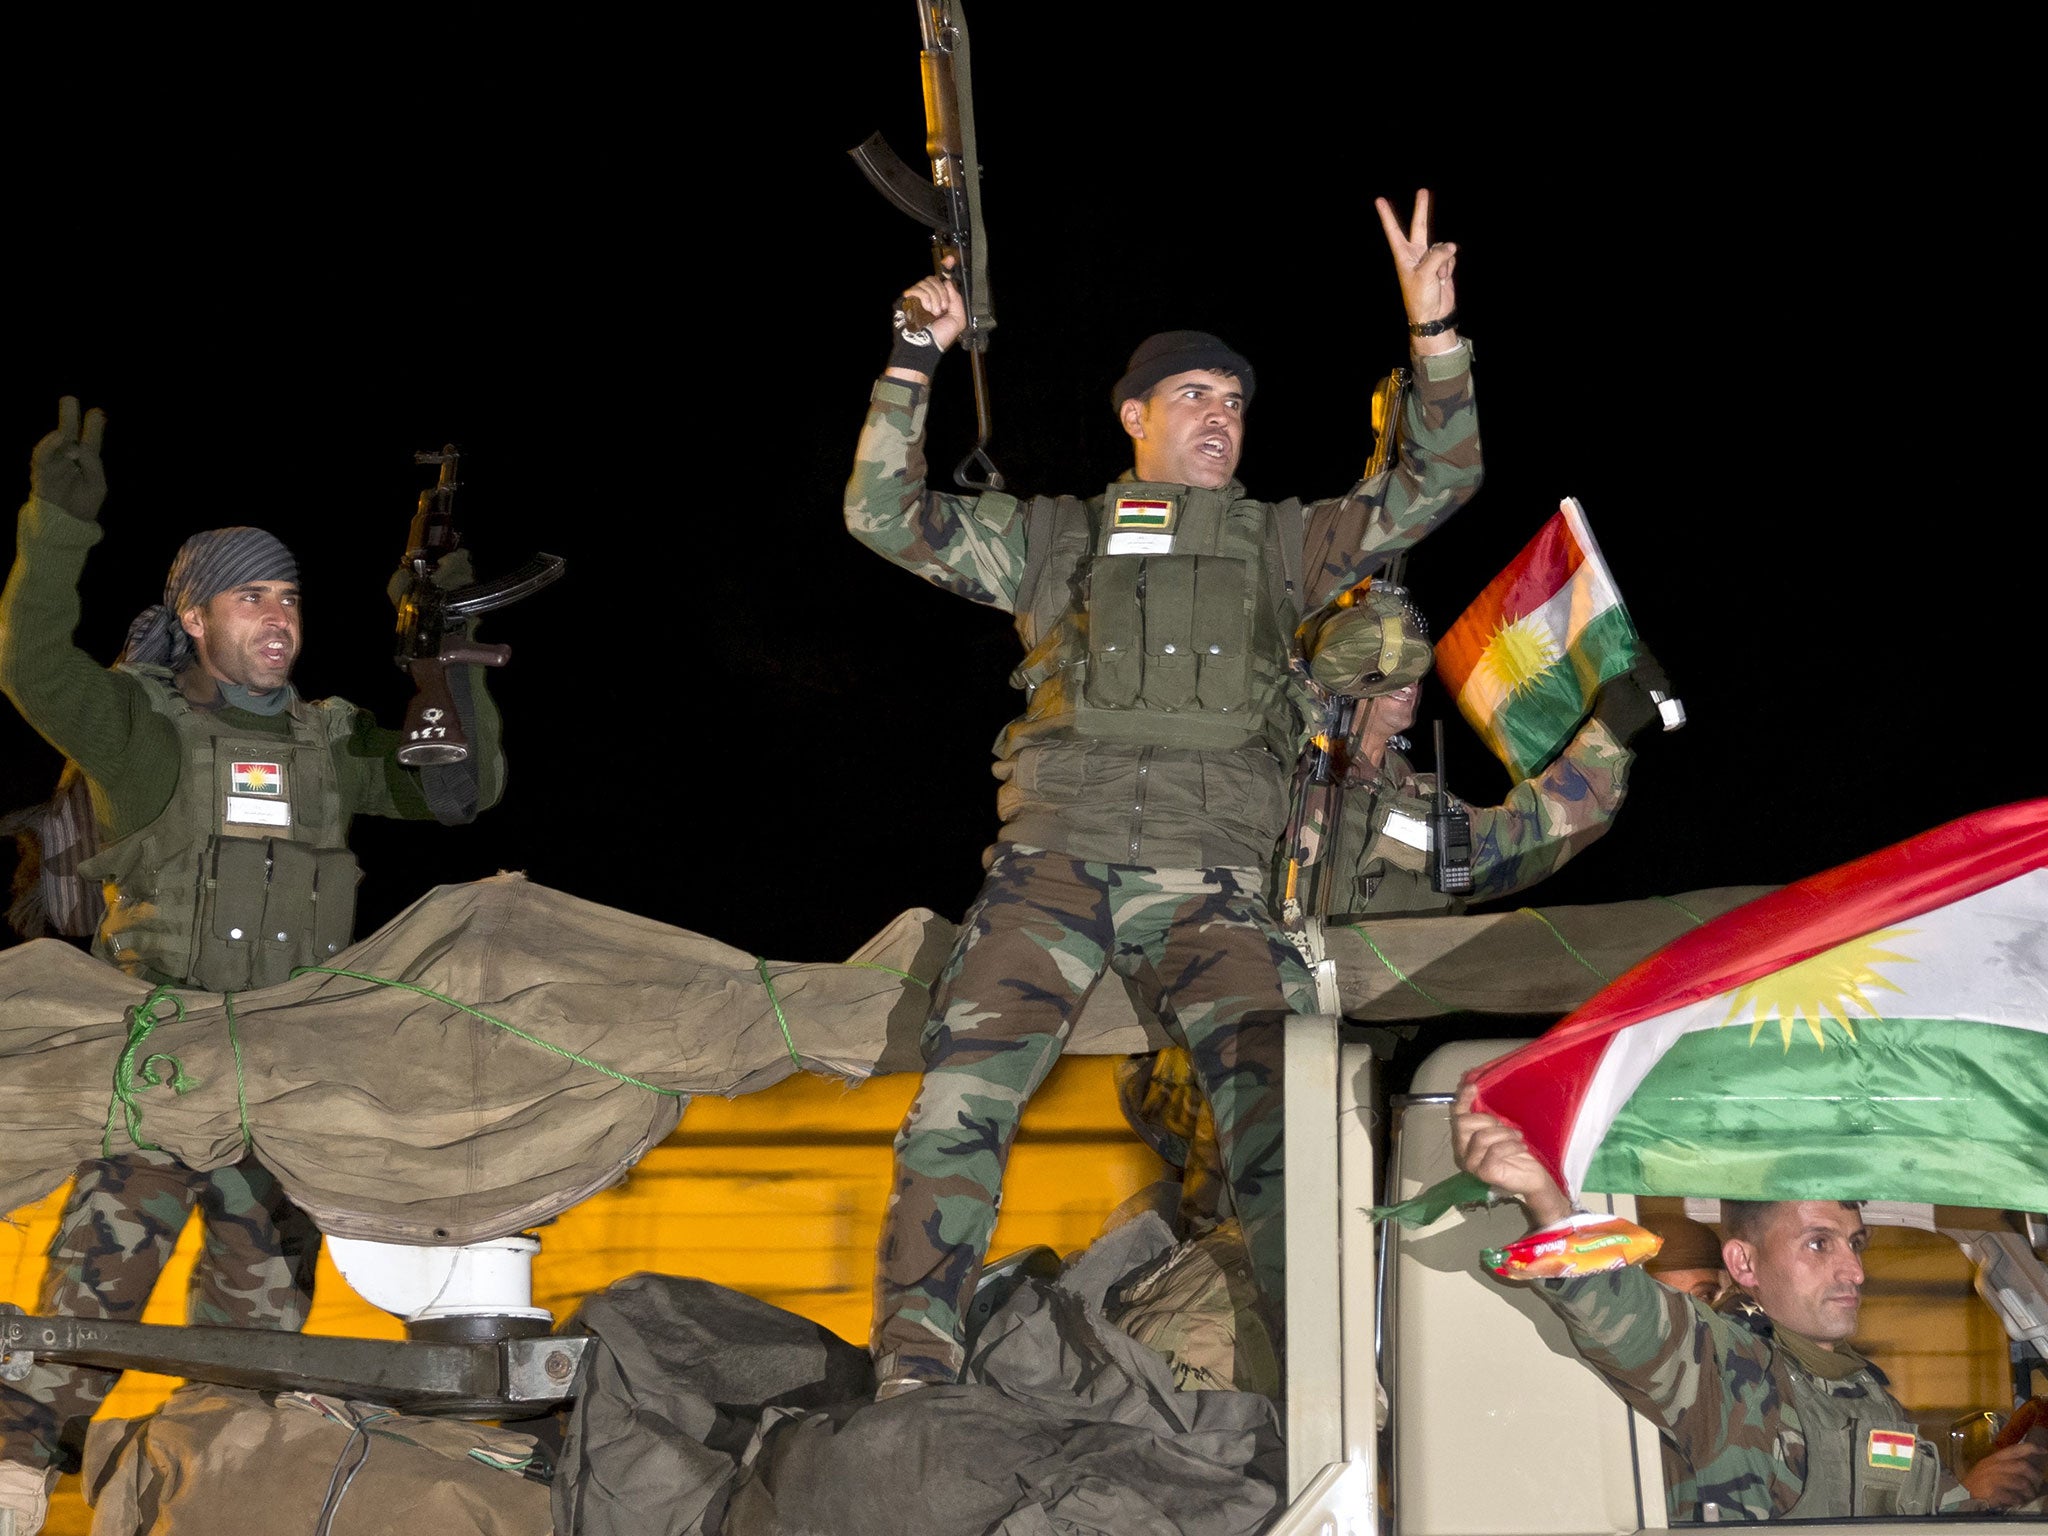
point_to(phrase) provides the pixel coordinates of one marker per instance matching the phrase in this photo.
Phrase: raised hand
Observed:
(64, 469)
(1494, 1151)
(933, 314)
(1424, 271)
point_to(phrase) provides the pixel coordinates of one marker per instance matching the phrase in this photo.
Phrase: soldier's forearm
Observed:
(1436, 472)
(971, 546)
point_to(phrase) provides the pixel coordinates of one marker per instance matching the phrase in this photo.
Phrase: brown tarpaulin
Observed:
(391, 1115)
(217, 1461)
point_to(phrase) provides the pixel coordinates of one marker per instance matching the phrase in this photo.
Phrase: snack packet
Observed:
(1581, 1244)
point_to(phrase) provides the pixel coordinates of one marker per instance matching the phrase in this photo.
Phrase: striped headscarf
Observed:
(207, 564)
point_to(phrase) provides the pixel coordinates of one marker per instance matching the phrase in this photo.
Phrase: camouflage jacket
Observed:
(1741, 1416)
(1377, 863)
(1194, 808)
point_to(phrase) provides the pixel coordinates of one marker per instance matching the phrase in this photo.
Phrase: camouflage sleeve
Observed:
(970, 545)
(1550, 819)
(1706, 1379)
(1435, 473)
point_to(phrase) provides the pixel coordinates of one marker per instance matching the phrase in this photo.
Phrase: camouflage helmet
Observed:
(1367, 641)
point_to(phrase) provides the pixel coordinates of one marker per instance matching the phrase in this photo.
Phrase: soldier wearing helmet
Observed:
(1359, 840)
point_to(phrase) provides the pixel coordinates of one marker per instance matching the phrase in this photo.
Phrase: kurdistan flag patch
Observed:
(1142, 512)
(257, 778)
(1892, 1448)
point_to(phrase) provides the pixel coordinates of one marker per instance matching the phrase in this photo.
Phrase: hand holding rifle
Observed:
(932, 305)
(436, 600)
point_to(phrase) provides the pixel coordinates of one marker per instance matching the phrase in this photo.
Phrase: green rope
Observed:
(761, 969)
(227, 1001)
(478, 1013)
(1566, 945)
(142, 1020)
(1696, 918)
(1396, 972)
(869, 965)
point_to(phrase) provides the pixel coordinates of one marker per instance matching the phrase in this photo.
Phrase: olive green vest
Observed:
(1863, 1456)
(1184, 644)
(245, 874)
(1381, 862)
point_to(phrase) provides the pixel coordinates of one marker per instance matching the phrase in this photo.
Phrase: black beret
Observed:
(1170, 352)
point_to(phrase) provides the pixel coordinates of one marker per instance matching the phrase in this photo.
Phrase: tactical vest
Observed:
(1862, 1456)
(1182, 644)
(245, 874)
(1382, 856)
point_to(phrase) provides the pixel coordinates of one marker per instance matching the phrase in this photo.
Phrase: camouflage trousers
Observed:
(116, 1233)
(1202, 953)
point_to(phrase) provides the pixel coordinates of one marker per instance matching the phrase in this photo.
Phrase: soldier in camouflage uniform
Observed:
(1769, 1415)
(1144, 787)
(1375, 649)
(1379, 859)
(223, 801)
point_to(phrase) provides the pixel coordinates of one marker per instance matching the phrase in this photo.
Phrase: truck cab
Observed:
(1424, 1398)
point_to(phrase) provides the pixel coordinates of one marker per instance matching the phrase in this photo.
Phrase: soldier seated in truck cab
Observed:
(1771, 1415)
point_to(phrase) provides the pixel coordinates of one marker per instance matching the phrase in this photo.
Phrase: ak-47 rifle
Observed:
(1389, 399)
(433, 624)
(949, 204)
(1389, 405)
(1333, 732)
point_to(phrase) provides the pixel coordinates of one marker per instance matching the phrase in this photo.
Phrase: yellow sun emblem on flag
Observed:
(256, 777)
(1818, 988)
(1519, 653)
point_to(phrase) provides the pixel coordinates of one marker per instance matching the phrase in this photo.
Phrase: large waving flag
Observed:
(1879, 1031)
(1525, 660)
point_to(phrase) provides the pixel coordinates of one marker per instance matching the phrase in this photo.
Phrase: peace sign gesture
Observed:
(1424, 271)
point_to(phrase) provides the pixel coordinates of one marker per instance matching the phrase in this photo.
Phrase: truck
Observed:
(1408, 1367)
(1425, 1398)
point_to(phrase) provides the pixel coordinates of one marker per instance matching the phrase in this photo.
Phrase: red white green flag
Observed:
(1879, 1031)
(1525, 659)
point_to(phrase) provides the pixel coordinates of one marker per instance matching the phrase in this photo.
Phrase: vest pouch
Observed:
(235, 876)
(335, 878)
(285, 938)
(1222, 631)
(1894, 1472)
(1169, 602)
(1116, 664)
(131, 934)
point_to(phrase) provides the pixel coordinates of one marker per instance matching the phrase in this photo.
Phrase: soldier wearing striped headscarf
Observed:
(202, 831)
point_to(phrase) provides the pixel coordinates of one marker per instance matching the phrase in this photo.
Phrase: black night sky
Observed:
(1749, 320)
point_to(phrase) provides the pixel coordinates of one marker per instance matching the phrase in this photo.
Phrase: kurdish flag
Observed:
(1525, 660)
(1879, 1031)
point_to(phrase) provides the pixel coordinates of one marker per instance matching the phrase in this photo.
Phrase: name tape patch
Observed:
(1403, 828)
(249, 811)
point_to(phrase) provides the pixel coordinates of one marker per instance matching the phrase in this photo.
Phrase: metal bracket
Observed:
(501, 1378)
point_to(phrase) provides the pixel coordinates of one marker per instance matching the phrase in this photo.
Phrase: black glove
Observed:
(451, 571)
(1624, 705)
(64, 469)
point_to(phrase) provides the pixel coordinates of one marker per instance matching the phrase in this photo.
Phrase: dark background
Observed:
(1749, 312)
